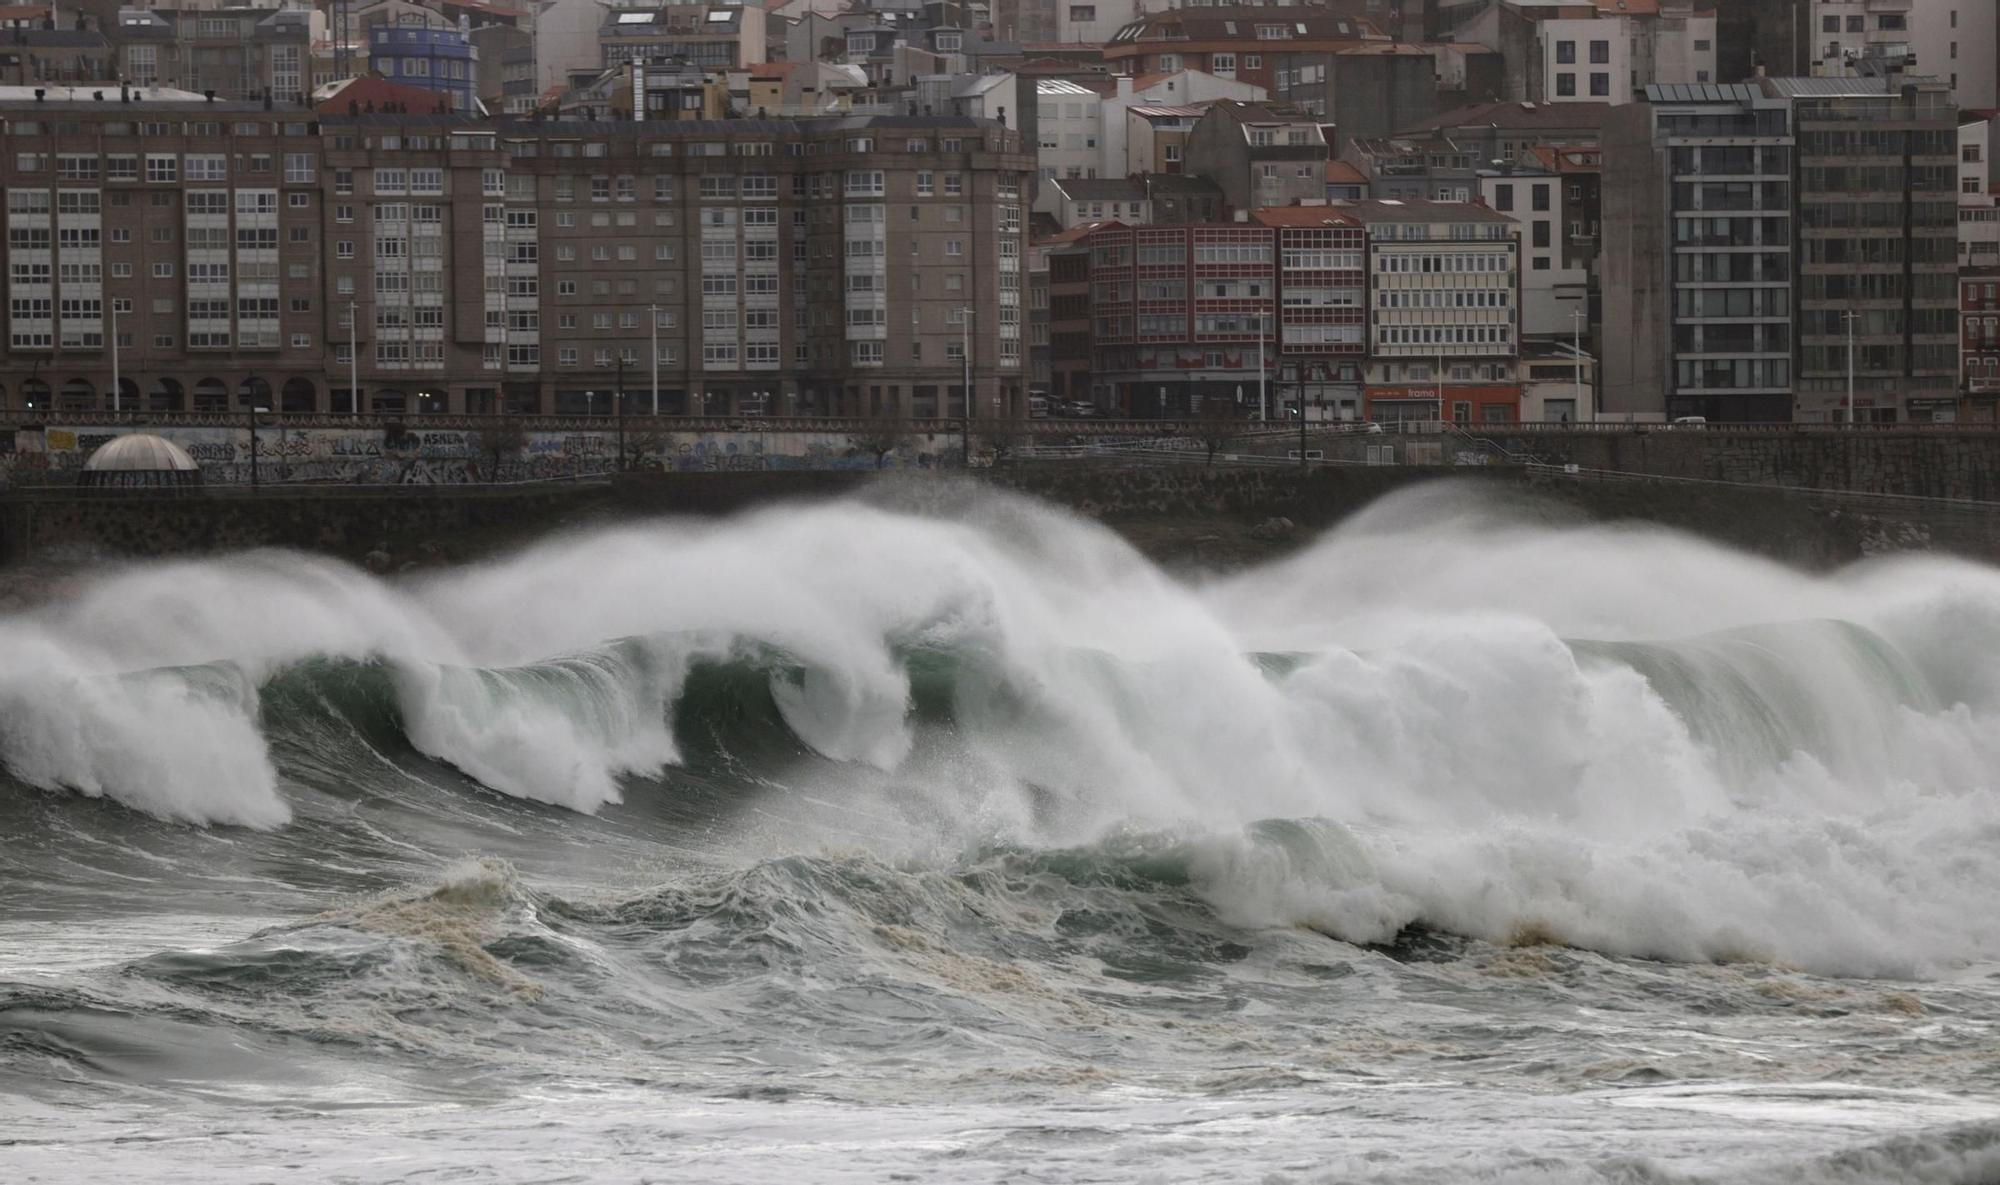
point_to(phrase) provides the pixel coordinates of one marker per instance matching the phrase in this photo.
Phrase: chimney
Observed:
(1003, 117)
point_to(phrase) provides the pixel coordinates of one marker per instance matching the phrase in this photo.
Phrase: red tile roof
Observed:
(1339, 172)
(1302, 216)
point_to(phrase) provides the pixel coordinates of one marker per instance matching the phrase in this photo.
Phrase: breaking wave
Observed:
(1432, 718)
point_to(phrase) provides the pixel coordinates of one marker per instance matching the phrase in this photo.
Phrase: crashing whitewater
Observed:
(996, 743)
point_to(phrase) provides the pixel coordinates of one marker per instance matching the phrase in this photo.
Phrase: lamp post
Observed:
(1576, 381)
(1263, 407)
(117, 394)
(965, 314)
(1849, 317)
(353, 359)
(655, 309)
(254, 409)
(618, 409)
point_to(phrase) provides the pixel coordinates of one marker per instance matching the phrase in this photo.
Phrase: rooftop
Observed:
(1243, 24)
(1418, 210)
(1339, 172)
(1518, 116)
(1303, 216)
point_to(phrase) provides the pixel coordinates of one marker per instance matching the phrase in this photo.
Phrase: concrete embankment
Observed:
(1181, 514)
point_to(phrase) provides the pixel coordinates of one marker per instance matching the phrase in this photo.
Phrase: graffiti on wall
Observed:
(377, 456)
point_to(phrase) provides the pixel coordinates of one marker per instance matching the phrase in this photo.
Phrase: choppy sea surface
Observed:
(855, 842)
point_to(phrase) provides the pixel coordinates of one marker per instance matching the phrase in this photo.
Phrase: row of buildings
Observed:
(173, 253)
(1473, 209)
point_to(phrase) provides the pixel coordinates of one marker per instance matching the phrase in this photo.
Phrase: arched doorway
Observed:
(389, 402)
(128, 395)
(166, 395)
(253, 392)
(78, 395)
(298, 396)
(428, 402)
(211, 395)
(35, 395)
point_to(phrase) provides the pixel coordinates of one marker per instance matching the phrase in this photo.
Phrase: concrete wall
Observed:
(1216, 517)
(1632, 267)
(422, 456)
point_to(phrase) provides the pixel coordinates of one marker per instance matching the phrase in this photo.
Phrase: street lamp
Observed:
(1576, 382)
(254, 409)
(965, 315)
(1849, 317)
(618, 408)
(117, 393)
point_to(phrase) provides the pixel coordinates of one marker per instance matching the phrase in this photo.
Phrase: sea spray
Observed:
(1632, 741)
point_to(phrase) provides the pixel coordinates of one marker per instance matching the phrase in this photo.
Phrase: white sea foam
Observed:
(1622, 739)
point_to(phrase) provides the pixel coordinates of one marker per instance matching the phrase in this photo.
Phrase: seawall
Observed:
(1186, 514)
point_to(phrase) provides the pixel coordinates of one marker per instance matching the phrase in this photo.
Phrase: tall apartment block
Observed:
(1744, 224)
(1444, 316)
(435, 262)
(1877, 217)
(1697, 264)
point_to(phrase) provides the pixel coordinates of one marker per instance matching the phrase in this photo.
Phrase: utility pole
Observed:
(1302, 420)
(1849, 317)
(965, 352)
(656, 360)
(1263, 404)
(1576, 383)
(117, 392)
(353, 352)
(618, 409)
(253, 441)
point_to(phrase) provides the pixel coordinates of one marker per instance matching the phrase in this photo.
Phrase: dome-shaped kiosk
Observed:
(140, 461)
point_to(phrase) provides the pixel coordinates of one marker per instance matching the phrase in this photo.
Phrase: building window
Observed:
(1541, 197)
(1600, 53)
(1566, 86)
(1565, 53)
(1600, 84)
(1503, 197)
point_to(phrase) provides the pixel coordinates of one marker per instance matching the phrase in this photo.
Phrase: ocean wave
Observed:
(1634, 743)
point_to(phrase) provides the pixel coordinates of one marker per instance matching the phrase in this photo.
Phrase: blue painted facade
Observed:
(432, 57)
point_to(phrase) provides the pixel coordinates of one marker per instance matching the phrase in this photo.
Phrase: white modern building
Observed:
(1613, 56)
(1978, 219)
(1550, 292)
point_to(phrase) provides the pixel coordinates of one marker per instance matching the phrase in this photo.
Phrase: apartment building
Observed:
(708, 36)
(1979, 342)
(1444, 283)
(1238, 43)
(1362, 91)
(1877, 204)
(1978, 216)
(1748, 228)
(1181, 315)
(441, 262)
(1616, 53)
(1135, 201)
(239, 53)
(1697, 266)
(1322, 309)
(417, 51)
(186, 230)
(1261, 155)
(1532, 194)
